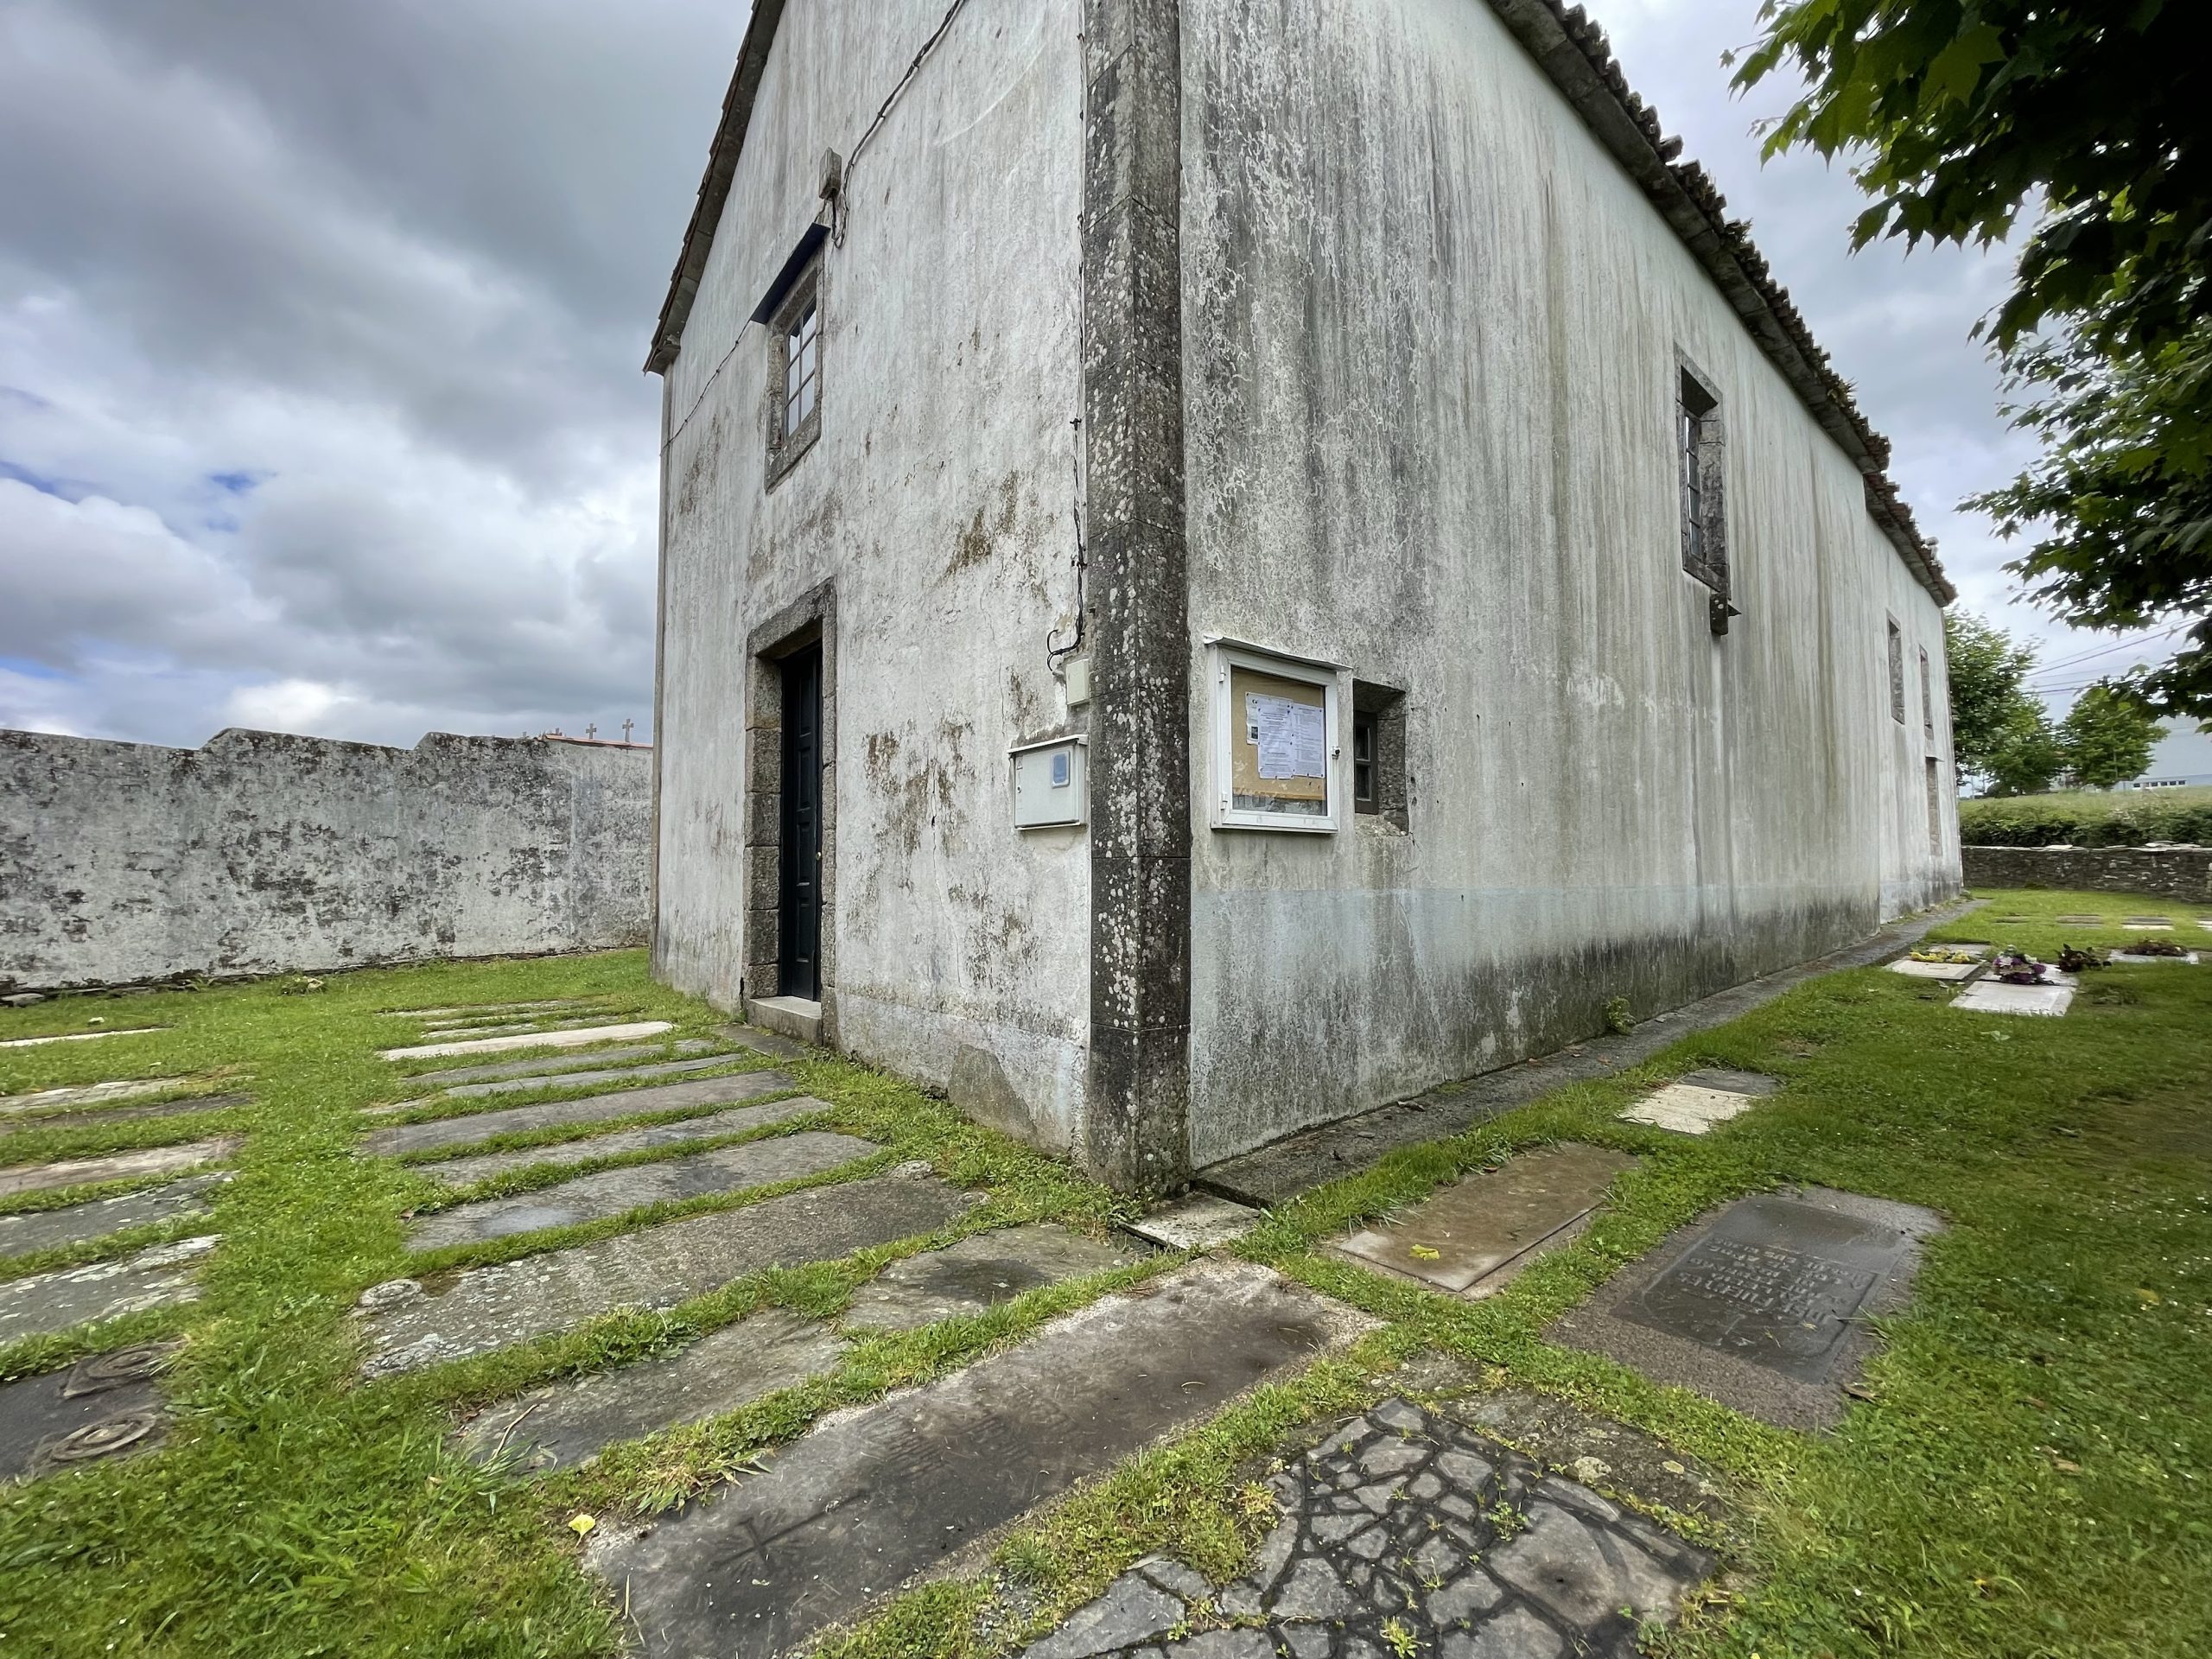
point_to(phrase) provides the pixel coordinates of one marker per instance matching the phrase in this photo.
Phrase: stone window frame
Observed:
(1896, 672)
(1700, 492)
(1381, 709)
(810, 619)
(808, 288)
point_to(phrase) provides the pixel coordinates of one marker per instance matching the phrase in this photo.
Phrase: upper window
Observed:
(1927, 702)
(1897, 673)
(1698, 468)
(795, 372)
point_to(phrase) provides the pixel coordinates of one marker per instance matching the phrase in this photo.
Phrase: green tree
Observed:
(1957, 114)
(2108, 737)
(1988, 671)
(2029, 757)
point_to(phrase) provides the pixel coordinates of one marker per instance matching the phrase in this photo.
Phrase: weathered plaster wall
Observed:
(262, 852)
(937, 503)
(1430, 338)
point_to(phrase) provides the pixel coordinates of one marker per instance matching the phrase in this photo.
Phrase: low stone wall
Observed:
(262, 854)
(2181, 873)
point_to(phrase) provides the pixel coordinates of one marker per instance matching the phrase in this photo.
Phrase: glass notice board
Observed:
(1274, 742)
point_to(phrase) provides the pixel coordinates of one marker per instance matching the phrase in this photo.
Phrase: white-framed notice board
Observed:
(1274, 762)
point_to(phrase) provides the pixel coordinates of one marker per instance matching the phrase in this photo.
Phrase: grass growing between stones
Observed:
(2027, 1477)
(296, 1510)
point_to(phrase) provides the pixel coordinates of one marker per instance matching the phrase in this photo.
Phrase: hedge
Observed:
(2128, 818)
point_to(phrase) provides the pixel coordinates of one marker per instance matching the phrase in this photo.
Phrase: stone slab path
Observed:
(482, 1009)
(46, 1229)
(1287, 1167)
(81, 1036)
(557, 1062)
(612, 1191)
(90, 1094)
(1473, 1236)
(1405, 1532)
(572, 1421)
(979, 1273)
(874, 1496)
(1762, 1304)
(1198, 1221)
(773, 1043)
(485, 1308)
(583, 1079)
(48, 1302)
(105, 1407)
(482, 1126)
(146, 1161)
(583, 1037)
(464, 1172)
(120, 1113)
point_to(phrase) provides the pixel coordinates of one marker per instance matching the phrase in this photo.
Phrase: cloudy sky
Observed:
(321, 326)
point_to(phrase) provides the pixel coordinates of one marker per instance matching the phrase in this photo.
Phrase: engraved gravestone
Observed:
(1762, 1305)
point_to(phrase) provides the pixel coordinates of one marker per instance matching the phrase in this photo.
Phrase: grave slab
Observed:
(483, 1008)
(46, 1229)
(114, 1166)
(465, 1170)
(485, 1308)
(81, 1036)
(572, 1421)
(1474, 1236)
(555, 1063)
(500, 1029)
(1762, 1304)
(2080, 921)
(48, 1302)
(2131, 959)
(772, 1043)
(621, 1103)
(1687, 1108)
(1954, 973)
(2148, 922)
(105, 1407)
(978, 1273)
(1199, 1222)
(90, 1094)
(583, 1079)
(1390, 1542)
(876, 1496)
(582, 1037)
(611, 1192)
(124, 1113)
(1995, 997)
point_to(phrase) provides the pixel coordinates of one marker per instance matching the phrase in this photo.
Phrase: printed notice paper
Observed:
(1289, 734)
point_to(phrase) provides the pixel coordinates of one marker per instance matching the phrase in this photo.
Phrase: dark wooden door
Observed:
(799, 957)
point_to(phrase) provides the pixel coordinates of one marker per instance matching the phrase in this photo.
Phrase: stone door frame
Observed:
(809, 620)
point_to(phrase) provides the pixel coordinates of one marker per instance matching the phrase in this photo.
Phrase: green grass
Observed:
(2088, 819)
(2028, 1478)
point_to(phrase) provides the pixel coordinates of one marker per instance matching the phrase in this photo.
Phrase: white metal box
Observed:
(1051, 784)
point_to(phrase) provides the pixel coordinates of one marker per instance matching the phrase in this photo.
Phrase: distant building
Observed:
(1223, 564)
(2182, 758)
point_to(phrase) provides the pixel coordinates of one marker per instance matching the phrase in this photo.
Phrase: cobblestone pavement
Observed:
(1404, 1532)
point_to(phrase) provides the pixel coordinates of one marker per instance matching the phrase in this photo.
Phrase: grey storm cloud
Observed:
(321, 326)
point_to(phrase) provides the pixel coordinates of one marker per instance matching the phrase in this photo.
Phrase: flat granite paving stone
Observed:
(121, 1113)
(408, 1327)
(611, 1192)
(2079, 921)
(979, 1272)
(1995, 997)
(464, 1172)
(48, 1302)
(1951, 972)
(875, 1495)
(1198, 1222)
(1764, 1303)
(555, 1063)
(1390, 1542)
(81, 1036)
(46, 1229)
(582, 1037)
(114, 1166)
(579, 1079)
(90, 1094)
(472, 1127)
(105, 1406)
(484, 1009)
(1689, 1109)
(1472, 1237)
(773, 1043)
(572, 1421)
(2135, 959)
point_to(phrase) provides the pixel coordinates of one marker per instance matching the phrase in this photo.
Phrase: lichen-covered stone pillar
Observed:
(1136, 1114)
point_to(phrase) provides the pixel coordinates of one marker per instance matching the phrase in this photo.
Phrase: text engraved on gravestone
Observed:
(1776, 1305)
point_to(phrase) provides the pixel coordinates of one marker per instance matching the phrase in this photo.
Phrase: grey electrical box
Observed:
(1051, 784)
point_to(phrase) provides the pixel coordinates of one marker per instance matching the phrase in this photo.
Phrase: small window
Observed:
(1935, 806)
(1698, 470)
(1927, 704)
(795, 372)
(1378, 753)
(1897, 673)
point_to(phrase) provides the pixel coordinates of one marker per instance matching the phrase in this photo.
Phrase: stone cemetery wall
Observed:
(262, 853)
(2181, 872)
